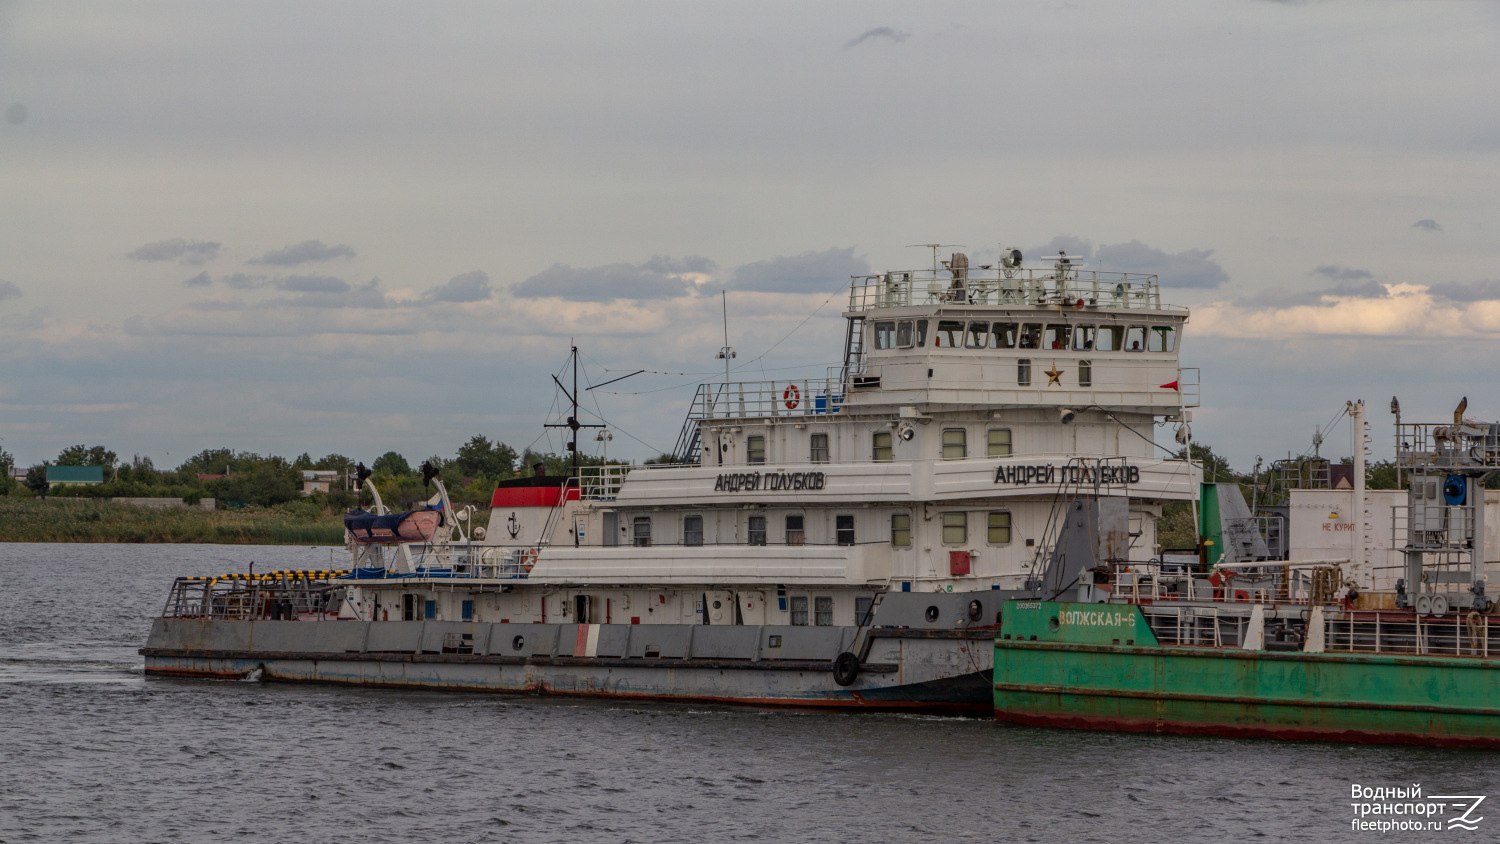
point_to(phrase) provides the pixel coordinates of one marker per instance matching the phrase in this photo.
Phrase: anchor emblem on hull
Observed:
(513, 526)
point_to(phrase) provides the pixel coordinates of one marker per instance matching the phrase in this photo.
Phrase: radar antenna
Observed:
(934, 247)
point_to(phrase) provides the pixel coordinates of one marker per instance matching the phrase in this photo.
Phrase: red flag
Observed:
(1171, 386)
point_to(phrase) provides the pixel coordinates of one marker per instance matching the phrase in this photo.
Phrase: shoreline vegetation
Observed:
(91, 520)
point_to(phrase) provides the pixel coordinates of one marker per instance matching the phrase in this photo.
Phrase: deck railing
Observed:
(980, 286)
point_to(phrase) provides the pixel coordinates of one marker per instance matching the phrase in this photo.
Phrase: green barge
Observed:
(1105, 666)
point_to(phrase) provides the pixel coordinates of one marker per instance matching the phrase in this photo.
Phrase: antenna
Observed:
(934, 247)
(726, 353)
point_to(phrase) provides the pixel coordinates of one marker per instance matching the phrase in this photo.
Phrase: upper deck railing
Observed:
(1470, 445)
(979, 286)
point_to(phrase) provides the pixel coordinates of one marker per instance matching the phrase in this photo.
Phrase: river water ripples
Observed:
(92, 750)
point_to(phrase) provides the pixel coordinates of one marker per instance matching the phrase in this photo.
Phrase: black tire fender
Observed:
(845, 669)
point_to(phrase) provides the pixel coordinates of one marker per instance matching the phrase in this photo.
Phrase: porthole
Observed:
(717, 605)
(975, 610)
(1052, 623)
(518, 643)
(932, 614)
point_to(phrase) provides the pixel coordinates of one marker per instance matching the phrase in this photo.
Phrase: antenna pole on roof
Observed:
(727, 352)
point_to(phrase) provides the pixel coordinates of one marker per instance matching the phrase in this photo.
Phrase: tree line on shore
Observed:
(242, 478)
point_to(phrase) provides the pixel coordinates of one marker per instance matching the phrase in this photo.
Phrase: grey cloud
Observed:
(191, 252)
(878, 32)
(368, 296)
(241, 281)
(1294, 298)
(308, 251)
(658, 278)
(200, 280)
(1466, 291)
(312, 284)
(1190, 268)
(217, 305)
(810, 272)
(468, 287)
(1428, 225)
(1338, 273)
(8, 290)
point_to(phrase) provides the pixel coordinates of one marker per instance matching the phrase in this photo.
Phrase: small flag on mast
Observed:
(1170, 386)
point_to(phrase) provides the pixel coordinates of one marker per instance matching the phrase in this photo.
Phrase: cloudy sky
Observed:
(356, 227)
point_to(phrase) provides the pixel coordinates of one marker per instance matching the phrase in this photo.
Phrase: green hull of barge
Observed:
(1098, 666)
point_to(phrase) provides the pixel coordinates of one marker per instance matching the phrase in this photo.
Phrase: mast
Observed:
(573, 425)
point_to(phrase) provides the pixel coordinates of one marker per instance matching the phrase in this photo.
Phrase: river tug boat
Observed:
(1247, 645)
(845, 541)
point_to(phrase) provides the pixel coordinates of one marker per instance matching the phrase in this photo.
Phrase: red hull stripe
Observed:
(531, 496)
(1276, 731)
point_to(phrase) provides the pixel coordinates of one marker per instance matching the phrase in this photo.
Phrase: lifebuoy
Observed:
(845, 668)
(1079, 304)
(528, 558)
(792, 396)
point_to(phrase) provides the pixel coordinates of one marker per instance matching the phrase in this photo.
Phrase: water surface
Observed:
(92, 750)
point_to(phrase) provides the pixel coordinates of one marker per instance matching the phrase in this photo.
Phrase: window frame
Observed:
(1006, 340)
(1139, 339)
(756, 535)
(961, 447)
(897, 530)
(907, 328)
(1116, 335)
(1084, 338)
(800, 530)
(839, 530)
(813, 448)
(877, 449)
(792, 611)
(885, 335)
(982, 336)
(752, 449)
(921, 333)
(822, 611)
(688, 532)
(949, 325)
(1166, 335)
(990, 445)
(1085, 373)
(1057, 336)
(1023, 372)
(956, 520)
(990, 527)
(636, 534)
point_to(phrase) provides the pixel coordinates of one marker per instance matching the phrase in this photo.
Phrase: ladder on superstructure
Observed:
(854, 348)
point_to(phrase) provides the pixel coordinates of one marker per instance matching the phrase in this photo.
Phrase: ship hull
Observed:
(1364, 698)
(915, 671)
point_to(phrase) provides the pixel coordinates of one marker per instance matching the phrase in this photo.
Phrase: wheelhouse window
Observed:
(905, 336)
(818, 448)
(1023, 372)
(823, 611)
(999, 528)
(881, 450)
(757, 532)
(692, 530)
(1056, 336)
(955, 528)
(844, 529)
(795, 535)
(1085, 373)
(950, 334)
(1135, 338)
(885, 335)
(1003, 335)
(642, 535)
(799, 610)
(1083, 338)
(979, 335)
(862, 607)
(1161, 339)
(997, 442)
(1109, 338)
(755, 448)
(955, 444)
(921, 332)
(901, 530)
(1031, 335)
